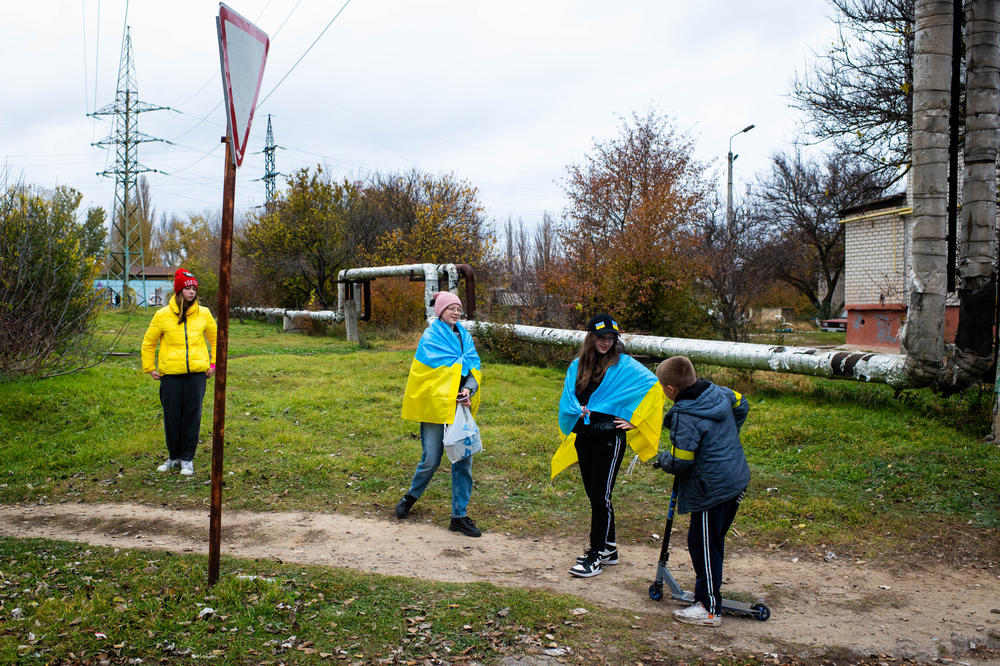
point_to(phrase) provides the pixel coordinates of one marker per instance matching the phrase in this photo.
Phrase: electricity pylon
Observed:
(125, 249)
(269, 172)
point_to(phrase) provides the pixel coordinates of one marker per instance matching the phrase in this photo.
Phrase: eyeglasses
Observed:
(454, 308)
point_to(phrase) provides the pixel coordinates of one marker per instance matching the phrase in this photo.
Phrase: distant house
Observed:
(153, 291)
(772, 316)
(877, 273)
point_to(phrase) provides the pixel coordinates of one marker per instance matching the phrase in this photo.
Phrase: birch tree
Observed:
(923, 332)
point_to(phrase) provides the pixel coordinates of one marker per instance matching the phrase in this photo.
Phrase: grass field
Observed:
(313, 424)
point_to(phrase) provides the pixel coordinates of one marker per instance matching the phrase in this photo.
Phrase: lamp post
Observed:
(729, 178)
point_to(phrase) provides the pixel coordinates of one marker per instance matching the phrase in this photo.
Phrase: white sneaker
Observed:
(173, 463)
(609, 555)
(187, 467)
(697, 615)
(591, 565)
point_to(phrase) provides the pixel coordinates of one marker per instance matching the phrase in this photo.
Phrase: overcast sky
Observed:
(503, 95)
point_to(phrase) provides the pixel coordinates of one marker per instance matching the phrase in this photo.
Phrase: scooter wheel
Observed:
(656, 591)
(761, 611)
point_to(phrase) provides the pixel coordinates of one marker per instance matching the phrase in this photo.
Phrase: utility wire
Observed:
(200, 120)
(97, 53)
(302, 56)
(203, 86)
(124, 32)
(214, 74)
(286, 19)
(183, 169)
(86, 83)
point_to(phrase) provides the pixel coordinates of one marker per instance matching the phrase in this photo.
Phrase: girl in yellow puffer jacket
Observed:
(185, 363)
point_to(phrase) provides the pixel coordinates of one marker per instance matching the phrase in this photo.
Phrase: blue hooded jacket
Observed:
(706, 454)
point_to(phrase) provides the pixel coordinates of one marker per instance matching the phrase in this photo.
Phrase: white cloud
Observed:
(504, 95)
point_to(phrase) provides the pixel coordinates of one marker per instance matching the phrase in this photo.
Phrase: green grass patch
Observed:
(313, 424)
(66, 603)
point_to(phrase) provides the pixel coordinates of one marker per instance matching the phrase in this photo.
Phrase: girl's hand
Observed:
(464, 398)
(210, 372)
(622, 424)
(155, 375)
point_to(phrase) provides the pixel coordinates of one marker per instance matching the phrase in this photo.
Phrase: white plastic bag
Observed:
(461, 438)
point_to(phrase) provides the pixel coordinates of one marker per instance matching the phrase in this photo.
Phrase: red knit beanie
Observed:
(184, 278)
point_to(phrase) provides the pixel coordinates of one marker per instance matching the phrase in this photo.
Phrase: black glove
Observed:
(663, 461)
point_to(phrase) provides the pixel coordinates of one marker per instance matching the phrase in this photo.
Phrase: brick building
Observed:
(877, 273)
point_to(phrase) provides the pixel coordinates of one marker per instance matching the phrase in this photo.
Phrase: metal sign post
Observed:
(242, 53)
(221, 362)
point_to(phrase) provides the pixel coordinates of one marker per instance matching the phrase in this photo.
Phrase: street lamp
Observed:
(729, 178)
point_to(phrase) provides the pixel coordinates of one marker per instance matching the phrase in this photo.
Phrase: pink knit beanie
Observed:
(443, 299)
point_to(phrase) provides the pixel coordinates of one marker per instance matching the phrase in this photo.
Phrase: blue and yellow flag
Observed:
(437, 369)
(630, 391)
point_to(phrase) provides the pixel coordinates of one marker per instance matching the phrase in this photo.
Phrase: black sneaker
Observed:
(609, 556)
(465, 526)
(591, 565)
(404, 505)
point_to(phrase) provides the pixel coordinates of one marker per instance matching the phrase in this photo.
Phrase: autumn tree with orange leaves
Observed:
(626, 228)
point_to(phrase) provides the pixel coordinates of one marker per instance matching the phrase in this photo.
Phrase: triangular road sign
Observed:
(242, 51)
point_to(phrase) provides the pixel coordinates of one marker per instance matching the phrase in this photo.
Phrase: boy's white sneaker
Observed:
(187, 467)
(697, 615)
(173, 463)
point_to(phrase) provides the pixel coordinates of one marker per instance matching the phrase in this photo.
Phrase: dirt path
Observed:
(932, 613)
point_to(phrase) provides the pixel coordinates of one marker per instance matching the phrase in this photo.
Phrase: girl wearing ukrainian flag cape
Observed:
(609, 399)
(445, 373)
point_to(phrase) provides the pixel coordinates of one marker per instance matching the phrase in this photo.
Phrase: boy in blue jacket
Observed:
(712, 474)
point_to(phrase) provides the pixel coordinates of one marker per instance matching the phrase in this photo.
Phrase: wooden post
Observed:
(222, 356)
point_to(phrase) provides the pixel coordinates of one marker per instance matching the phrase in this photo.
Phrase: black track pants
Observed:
(707, 545)
(599, 462)
(181, 397)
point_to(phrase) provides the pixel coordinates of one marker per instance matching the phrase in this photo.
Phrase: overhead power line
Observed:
(302, 56)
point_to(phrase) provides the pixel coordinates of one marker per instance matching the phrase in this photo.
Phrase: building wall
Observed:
(875, 252)
(156, 293)
(771, 316)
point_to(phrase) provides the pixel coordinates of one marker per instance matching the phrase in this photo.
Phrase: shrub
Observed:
(397, 305)
(48, 301)
(499, 345)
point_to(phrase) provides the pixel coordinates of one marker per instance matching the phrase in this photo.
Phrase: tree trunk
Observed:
(923, 333)
(976, 276)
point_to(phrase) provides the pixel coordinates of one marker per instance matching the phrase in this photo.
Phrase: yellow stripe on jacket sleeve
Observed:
(430, 393)
(648, 421)
(565, 455)
(681, 454)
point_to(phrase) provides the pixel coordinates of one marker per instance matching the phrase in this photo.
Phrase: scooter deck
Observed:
(758, 610)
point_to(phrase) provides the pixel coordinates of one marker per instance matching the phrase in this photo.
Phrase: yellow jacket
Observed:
(182, 346)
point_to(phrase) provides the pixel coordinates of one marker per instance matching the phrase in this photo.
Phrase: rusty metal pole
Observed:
(221, 358)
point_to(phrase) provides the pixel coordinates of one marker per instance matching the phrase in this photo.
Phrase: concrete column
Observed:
(351, 316)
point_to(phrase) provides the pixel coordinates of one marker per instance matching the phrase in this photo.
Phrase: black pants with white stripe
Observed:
(707, 545)
(599, 460)
(181, 397)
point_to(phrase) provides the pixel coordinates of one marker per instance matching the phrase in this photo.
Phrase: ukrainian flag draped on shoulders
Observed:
(629, 391)
(436, 372)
